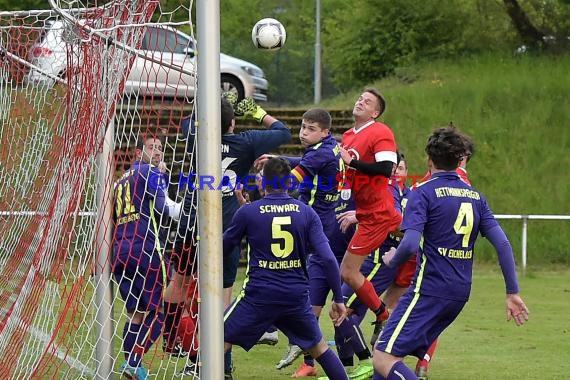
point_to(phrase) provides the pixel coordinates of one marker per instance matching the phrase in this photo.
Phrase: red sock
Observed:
(428, 356)
(368, 295)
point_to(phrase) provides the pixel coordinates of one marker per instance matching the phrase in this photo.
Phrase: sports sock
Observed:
(344, 350)
(332, 365)
(400, 371)
(172, 312)
(367, 294)
(154, 322)
(353, 335)
(132, 351)
(228, 361)
(377, 376)
(428, 356)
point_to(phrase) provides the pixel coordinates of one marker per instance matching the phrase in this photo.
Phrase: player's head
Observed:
(315, 126)
(276, 175)
(149, 150)
(401, 171)
(369, 105)
(446, 147)
(227, 120)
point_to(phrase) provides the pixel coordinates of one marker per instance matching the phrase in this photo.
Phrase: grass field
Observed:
(480, 344)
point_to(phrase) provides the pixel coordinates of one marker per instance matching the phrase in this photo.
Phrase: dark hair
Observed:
(446, 147)
(227, 115)
(381, 99)
(400, 157)
(275, 172)
(319, 116)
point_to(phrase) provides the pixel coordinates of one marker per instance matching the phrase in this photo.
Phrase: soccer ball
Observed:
(268, 34)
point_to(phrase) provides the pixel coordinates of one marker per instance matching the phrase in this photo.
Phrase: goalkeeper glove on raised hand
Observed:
(249, 108)
(232, 98)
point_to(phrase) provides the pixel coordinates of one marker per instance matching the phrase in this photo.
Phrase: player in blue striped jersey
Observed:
(279, 231)
(442, 220)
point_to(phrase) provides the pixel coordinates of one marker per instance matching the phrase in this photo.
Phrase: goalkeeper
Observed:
(239, 151)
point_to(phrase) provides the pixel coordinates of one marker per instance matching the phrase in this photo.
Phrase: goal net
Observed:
(81, 84)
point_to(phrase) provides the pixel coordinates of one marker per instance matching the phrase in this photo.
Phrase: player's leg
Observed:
(230, 266)
(422, 366)
(176, 294)
(244, 323)
(350, 273)
(301, 326)
(318, 292)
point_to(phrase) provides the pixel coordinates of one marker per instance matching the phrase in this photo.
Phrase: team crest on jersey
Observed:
(345, 194)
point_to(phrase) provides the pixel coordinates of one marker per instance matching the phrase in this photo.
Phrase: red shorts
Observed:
(406, 272)
(370, 234)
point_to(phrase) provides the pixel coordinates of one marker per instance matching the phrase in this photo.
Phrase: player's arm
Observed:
(321, 247)
(236, 230)
(408, 246)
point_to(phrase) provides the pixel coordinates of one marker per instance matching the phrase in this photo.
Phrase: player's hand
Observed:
(346, 157)
(162, 167)
(241, 195)
(249, 108)
(261, 160)
(232, 98)
(388, 256)
(337, 313)
(346, 219)
(516, 309)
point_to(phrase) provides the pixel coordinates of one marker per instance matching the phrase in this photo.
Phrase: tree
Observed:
(529, 33)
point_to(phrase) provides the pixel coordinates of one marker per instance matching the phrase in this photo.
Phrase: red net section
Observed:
(65, 79)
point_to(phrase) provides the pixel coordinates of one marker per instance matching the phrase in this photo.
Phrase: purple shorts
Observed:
(416, 322)
(246, 320)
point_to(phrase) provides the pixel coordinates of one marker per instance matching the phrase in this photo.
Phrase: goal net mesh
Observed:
(67, 75)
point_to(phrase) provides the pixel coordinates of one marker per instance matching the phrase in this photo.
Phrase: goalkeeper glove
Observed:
(249, 108)
(231, 97)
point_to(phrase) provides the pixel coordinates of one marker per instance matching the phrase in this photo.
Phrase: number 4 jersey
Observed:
(449, 213)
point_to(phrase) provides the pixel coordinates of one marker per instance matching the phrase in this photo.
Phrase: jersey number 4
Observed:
(464, 222)
(285, 245)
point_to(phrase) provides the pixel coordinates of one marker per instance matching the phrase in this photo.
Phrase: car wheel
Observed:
(232, 84)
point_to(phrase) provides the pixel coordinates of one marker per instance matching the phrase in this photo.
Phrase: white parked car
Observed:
(164, 44)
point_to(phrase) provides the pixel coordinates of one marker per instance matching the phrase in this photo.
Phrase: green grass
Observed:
(480, 344)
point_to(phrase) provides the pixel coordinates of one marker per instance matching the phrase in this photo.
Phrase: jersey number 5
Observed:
(284, 248)
(124, 198)
(464, 222)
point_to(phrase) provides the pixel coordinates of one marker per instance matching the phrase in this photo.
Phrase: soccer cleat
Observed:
(422, 373)
(270, 338)
(293, 352)
(134, 373)
(305, 370)
(191, 370)
(361, 372)
(378, 326)
(176, 351)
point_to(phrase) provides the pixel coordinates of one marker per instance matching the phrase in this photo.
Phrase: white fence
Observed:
(525, 219)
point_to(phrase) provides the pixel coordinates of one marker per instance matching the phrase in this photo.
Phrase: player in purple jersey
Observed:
(140, 263)
(279, 231)
(239, 151)
(317, 174)
(442, 220)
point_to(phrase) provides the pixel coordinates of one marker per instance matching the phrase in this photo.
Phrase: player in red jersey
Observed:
(369, 149)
